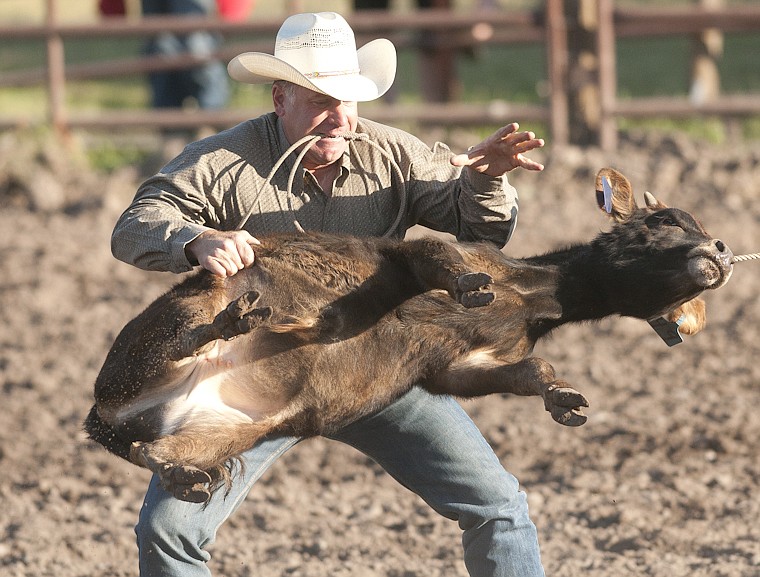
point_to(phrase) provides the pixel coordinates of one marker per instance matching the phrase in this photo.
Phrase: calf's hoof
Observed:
(242, 315)
(184, 482)
(472, 290)
(565, 405)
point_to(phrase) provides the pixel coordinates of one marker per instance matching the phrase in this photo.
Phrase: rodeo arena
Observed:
(408, 288)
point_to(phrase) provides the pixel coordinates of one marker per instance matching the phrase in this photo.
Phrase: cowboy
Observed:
(188, 215)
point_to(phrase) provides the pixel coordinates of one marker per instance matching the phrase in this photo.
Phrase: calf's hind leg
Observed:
(194, 462)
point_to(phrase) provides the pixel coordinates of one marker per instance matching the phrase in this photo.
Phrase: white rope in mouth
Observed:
(311, 139)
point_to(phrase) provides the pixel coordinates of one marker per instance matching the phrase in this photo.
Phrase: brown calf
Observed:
(323, 330)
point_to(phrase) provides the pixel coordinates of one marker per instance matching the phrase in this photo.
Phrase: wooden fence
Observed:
(614, 23)
(557, 26)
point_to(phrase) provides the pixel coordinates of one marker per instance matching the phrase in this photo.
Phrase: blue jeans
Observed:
(426, 442)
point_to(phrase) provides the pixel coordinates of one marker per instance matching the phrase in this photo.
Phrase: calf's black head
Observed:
(658, 257)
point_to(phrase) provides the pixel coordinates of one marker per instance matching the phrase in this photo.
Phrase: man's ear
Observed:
(278, 99)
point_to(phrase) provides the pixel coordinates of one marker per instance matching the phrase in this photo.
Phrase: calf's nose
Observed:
(724, 253)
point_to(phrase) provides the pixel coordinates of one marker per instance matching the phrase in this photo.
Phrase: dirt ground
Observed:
(662, 480)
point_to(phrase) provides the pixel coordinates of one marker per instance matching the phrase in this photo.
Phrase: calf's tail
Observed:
(101, 432)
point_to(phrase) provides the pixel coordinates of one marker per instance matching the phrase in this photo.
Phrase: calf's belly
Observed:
(217, 388)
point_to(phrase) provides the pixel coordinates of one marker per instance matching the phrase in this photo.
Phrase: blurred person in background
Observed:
(206, 85)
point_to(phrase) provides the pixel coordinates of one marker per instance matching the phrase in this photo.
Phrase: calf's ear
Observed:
(652, 203)
(692, 315)
(614, 194)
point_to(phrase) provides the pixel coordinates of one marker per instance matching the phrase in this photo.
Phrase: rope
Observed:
(310, 139)
(276, 167)
(744, 257)
(355, 136)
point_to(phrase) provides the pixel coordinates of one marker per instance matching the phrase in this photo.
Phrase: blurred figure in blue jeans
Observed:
(206, 84)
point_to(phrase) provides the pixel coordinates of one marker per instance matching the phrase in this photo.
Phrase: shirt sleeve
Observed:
(169, 210)
(468, 204)
(488, 207)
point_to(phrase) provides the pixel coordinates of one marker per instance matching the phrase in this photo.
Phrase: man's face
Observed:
(303, 112)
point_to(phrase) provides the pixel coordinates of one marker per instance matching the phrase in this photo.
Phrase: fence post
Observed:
(583, 71)
(608, 134)
(557, 64)
(56, 74)
(707, 48)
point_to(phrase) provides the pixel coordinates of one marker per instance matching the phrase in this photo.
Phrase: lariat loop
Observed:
(306, 142)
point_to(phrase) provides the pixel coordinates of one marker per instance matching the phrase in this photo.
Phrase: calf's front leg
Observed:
(196, 461)
(438, 265)
(482, 375)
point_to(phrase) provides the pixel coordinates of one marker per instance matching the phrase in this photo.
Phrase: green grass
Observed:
(661, 66)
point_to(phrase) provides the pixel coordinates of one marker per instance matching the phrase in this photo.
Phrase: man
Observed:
(189, 212)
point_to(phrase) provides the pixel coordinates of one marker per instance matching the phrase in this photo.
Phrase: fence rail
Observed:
(553, 26)
(670, 20)
(399, 28)
(661, 21)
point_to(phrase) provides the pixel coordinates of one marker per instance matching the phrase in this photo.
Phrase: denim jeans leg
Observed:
(427, 442)
(430, 445)
(172, 534)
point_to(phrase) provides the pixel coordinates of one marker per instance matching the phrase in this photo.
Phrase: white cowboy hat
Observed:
(318, 51)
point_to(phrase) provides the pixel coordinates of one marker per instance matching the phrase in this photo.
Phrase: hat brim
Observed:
(377, 65)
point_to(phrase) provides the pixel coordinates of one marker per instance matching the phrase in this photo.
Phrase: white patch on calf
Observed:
(208, 394)
(478, 358)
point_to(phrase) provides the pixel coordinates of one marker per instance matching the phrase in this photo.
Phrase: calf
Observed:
(325, 329)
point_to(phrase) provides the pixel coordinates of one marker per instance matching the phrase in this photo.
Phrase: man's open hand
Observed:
(501, 152)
